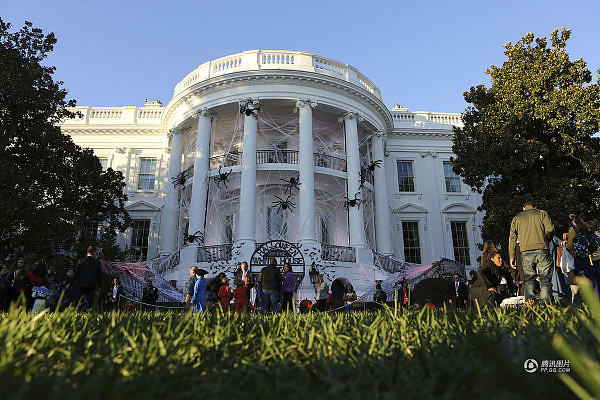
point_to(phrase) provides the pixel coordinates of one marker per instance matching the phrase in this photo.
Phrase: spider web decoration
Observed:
(277, 162)
(133, 276)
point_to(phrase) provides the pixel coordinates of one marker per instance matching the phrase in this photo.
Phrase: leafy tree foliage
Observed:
(534, 131)
(50, 188)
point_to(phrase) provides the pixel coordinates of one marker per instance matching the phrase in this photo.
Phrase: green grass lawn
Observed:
(427, 354)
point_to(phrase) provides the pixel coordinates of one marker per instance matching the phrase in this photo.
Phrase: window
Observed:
(406, 179)
(460, 241)
(452, 180)
(147, 174)
(103, 163)
(276, 224)
(412, 245)
(140, 231)
(89, 232)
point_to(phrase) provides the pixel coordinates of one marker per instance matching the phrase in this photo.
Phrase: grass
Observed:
(427, 354)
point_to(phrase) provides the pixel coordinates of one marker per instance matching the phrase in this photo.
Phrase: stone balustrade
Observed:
(403, 119)
(128, 115)
(256, 60)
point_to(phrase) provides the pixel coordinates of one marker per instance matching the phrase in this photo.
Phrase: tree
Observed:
(50, 188)
(532, 136)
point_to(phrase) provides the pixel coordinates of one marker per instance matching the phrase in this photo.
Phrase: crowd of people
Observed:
(273, 290)
(542, 267)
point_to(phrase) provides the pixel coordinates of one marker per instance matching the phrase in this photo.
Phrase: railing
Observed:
(221, 252)
(327, 161)
(256, 60)
(227, 63)
(226, 160)
(330, 252)
(389, 264)
(277, 156)
(408, 117)
(325, 64)
(111, 113)
(164, 264)
(149, 114)
(281, 157)
(277, 58)
(404, 117)
(445, 118)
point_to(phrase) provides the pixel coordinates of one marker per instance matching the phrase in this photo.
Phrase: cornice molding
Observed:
(112, 131)
(300, 78)
(427, 132)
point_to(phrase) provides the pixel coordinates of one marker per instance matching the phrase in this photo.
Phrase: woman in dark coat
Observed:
(484, 290)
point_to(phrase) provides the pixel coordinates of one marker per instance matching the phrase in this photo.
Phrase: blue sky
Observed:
(421, 54)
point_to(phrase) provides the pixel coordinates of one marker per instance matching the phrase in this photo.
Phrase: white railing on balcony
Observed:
(411, 118)
(106, 113)
(276, 59)
(149, 114)
(128, 115)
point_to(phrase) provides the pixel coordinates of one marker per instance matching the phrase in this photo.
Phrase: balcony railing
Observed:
(277, 156)
(330, 252)
(260, 60)
(226, 160)
(327, 161)
(390, 264)
(220, 252)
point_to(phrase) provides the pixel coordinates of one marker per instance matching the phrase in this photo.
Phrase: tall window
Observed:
(276, 224)
(103, 163)
(452, 180)
(412, 245)
(147, 175)
(140, 231)
(406, 179)
(89, 231)
(460, 241)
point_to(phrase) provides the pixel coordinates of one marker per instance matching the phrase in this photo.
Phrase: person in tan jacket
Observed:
(533, 228)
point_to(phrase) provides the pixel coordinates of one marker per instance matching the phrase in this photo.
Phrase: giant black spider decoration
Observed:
(179, 180)
(247, 111)
(355, 202)
(291, 183)
(197, 237)
(283, 204)
(375, 164)
(222, 177)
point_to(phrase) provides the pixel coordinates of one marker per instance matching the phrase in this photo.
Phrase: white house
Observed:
(291, 149)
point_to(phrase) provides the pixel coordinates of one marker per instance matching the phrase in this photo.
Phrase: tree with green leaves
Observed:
(532, 135)
(50, 189)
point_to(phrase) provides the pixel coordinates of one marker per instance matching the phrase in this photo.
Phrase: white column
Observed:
(200, 189)
(356, 223)
(382, 212)
(248, 179)
(170, 215)
(306, 194)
